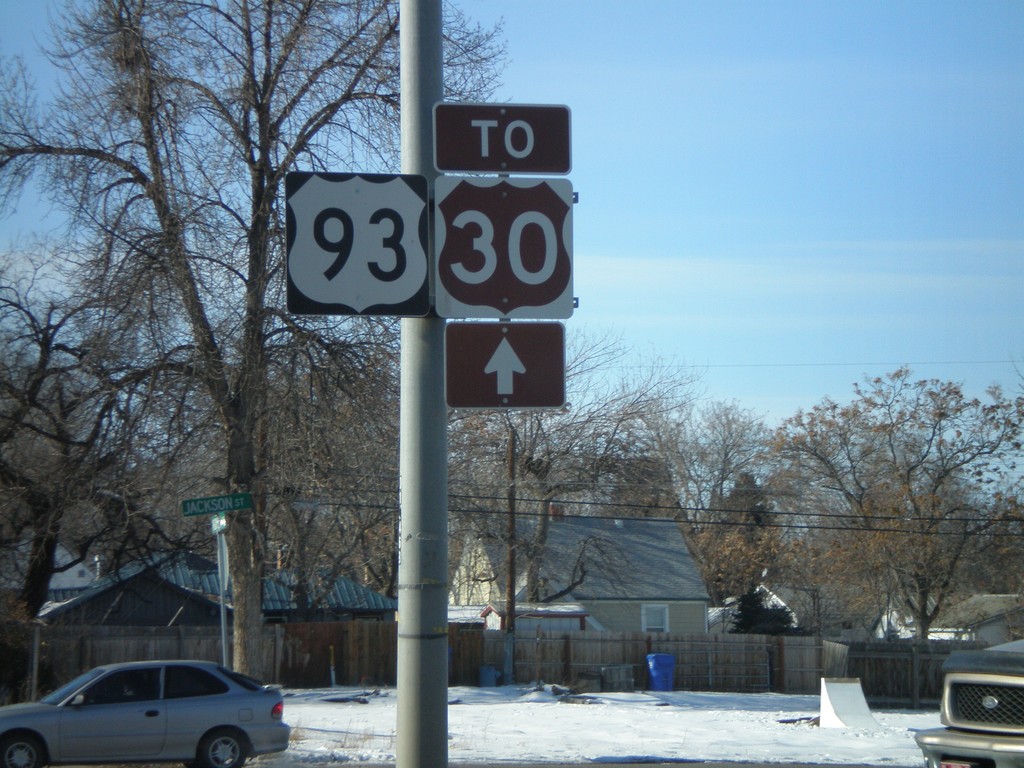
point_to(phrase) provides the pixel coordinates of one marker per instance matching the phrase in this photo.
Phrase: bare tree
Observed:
(709, 447)
(78, 418)
(921, 476)
(169, 144)
(594, 455)
(334, 477)
(739, 548)
(717, 454)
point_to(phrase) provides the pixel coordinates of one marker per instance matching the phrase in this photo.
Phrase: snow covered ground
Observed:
(520, 724)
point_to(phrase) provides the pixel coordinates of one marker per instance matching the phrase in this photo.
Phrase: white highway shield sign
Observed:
(357, 244)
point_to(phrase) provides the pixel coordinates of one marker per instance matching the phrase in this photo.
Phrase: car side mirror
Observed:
(77, 700)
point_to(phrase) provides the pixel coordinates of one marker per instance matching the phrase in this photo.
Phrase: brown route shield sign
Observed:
(503, 248)
(505, 365)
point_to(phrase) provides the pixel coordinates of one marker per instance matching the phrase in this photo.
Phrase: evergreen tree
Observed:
(755, 617)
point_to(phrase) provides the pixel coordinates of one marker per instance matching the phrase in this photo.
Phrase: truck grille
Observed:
(986, 704)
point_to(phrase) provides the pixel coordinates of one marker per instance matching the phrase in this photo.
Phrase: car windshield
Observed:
(68, 688)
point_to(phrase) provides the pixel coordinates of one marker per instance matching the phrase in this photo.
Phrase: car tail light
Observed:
(277, 711)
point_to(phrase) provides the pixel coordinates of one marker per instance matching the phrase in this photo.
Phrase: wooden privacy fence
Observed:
(364, 653)
(355, 653)
(700, 662)
(907, 674)
(298, 655)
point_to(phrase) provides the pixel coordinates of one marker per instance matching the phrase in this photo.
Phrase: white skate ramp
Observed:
(843, 704)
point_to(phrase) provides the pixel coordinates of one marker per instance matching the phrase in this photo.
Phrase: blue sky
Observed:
(791, 196)
(784, 196)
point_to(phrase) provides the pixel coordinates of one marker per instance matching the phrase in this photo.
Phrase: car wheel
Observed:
(224, 748)
(21, 752)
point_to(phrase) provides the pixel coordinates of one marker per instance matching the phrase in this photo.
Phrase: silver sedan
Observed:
(195, 712)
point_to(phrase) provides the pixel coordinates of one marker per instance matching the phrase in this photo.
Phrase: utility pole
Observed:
(423, 454)
(509, 659)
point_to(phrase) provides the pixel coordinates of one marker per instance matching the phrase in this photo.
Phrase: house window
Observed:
(654, 618)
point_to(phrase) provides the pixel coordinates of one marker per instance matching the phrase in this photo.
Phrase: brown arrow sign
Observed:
(505, 365)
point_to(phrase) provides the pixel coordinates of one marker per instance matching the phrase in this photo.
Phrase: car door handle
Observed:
(152, 713)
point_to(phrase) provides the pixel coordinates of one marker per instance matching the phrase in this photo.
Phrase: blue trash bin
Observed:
(488, 676)
(662, 667)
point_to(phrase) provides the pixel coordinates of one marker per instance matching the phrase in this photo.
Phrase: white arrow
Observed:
(505, 362)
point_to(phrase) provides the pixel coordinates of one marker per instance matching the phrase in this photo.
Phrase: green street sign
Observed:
(216, 505)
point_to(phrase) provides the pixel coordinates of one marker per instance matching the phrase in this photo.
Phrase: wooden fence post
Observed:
(278, 652)
(566, 660)
(778, 680)
(915, 675)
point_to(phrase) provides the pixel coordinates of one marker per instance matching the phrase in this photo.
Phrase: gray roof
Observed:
(978, 609)
(184, 571)
(633, 559)
(343, 595)
(198, 576)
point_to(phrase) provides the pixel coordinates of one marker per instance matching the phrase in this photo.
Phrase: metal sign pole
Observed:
(423, 453)
(219, 524)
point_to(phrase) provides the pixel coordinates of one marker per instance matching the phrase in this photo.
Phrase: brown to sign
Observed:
(501, 138)
(505, 365)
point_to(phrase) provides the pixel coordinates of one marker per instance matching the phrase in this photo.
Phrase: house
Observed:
(837, 612)
(466, 617)
(176, 589)
(183, 589)
(343, 600)
(14, 561)
(722, 620)
(547, 617)
(990, 619)
(625, 575)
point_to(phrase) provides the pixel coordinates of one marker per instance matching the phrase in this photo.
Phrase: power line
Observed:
(751, 524)
(811, 522)
(782, 525)
(889, 366)
(729, 510)
(635, 506)
(855, 365)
